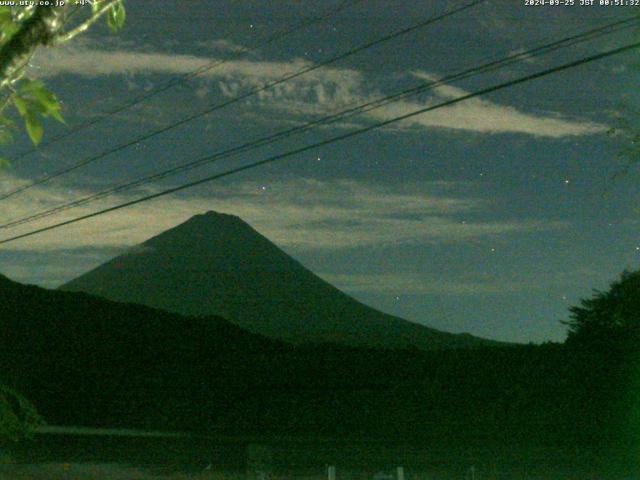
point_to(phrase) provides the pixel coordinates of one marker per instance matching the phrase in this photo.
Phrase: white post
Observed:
(400, 473)
(331, 473)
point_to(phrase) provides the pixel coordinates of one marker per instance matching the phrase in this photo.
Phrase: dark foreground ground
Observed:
(130, 457)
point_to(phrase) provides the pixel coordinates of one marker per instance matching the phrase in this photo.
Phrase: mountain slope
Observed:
(217, 264)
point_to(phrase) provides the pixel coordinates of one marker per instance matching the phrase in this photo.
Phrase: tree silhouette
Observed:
(610, 318)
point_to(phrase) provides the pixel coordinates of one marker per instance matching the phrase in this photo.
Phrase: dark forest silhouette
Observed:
(86, 361)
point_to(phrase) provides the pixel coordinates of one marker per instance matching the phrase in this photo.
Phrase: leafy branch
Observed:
(22, 31)
(33, 102)
(115, 14)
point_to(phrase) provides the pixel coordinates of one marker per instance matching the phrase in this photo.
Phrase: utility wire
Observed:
(274, 158)
(353, 111)
(248, 94)
(187, 76)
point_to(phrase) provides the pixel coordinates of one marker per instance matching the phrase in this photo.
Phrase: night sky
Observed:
(491, 217)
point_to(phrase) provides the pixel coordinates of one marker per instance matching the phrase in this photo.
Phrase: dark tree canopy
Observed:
(608, 318)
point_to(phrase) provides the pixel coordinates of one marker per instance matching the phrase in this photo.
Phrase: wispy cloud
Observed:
(408, 283)
(413, 284)
(48, 270)
(321, 91)
(483, 116)
(222, 45)
(298, 213)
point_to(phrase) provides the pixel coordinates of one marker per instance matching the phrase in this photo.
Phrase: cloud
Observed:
(50, 269)
(319, 92)
(223, 45)
(414, 284)
(482, 116)
(409, 283)
(235, 74)
(303, 214)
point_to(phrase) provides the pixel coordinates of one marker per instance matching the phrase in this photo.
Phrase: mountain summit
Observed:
(217, 264)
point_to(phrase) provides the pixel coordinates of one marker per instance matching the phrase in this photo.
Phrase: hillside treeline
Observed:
(85, 361)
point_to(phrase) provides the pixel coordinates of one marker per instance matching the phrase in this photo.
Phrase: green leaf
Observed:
(21, 105)
(4, 163)
(35, 106)
(29, 112)
(40, 99)
(55, 113)
(116, 16)
(34, 127)
(121, 14)
(7, 24)
(5, 16)
(28, 85)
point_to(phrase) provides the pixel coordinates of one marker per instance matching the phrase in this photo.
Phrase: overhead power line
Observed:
(243, 96)
(261, 43)
(350, 112)
(274, 158)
